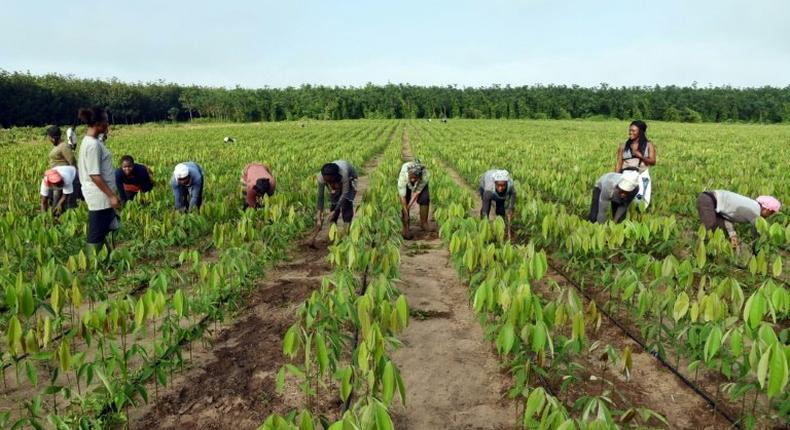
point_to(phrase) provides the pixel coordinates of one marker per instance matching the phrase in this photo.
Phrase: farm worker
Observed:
(413, 187)
(497, 186)
(637, 154)
(71, 137)
(61, 153)
(97, 178)
(258, 181)
(721, 209)
(341, 178)
(187, 184)
(132, 178)
(57, 187)
(616, 190)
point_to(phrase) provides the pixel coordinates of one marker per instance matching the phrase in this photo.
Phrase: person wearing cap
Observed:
(616, 190)
(341, 178)
(413, 187)
(257, 180)
(637, 154)
(61, 154)
(497, 186)
(187, 185)
(722, 209)
(57, 187)
(132, 178)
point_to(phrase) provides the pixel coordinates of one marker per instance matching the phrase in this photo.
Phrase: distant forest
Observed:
(29, 100)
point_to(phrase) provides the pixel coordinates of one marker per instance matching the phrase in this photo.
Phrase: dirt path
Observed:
(452, 375)
(650, 386)
(230, 384)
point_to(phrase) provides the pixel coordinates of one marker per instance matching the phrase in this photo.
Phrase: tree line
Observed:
(30, 100)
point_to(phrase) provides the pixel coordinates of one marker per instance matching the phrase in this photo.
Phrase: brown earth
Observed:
(651, 385)
(452, 376)
(231, 382)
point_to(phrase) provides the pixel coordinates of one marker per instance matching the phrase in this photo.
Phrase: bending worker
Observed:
(721, 209)
(616, 190)
(57, 188)
(413, 187)
(132, 178)
(187, 185)
(341, 178)
(258, 181)
(497, 186)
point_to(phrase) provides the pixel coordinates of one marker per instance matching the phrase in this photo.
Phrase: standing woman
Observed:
(638, 154)
(98, 178)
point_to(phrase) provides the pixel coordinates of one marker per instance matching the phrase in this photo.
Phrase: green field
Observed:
(579, 317)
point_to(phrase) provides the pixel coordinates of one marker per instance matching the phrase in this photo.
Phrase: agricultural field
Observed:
(229, 318)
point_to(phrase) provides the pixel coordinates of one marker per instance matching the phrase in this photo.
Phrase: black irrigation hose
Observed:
(693, 386)
(690, 384)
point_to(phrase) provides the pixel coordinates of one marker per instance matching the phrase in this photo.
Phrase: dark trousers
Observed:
(423, 199)
(706, 206)
(346, 206)
(487, 197)
(615, 206)
(99, 225)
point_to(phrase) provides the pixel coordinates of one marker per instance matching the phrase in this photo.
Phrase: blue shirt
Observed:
(194, 187)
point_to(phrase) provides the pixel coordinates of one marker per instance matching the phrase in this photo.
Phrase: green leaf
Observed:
(505, 339)
(178, 302)
(28, 304)
(762, 367)
(321, 353)
(713, 343)
(345, 383)
(64, 355)
(32, 376)
(388, 383)
(535, 402)
(778, 366)
(289, 342)
(14, 336)
(402, 308)
(139, 313)
(681, 306)
(383, 421)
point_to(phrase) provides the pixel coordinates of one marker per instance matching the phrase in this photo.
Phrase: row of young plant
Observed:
(538, 332)
(153, 231)
(692, 308)
(340, 345)
(85, 358)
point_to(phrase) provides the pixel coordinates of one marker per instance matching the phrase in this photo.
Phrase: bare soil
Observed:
(231, 383)
(650, 386)
(452, 376)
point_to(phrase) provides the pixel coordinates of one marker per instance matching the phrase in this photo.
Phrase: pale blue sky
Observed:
(259, 43)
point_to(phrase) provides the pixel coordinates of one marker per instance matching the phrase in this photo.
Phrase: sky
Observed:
(263, 43)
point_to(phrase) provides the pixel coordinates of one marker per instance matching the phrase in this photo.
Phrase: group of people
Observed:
(718, 209)
(90, 176)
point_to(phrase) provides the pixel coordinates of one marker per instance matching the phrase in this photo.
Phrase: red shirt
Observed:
(252, 172)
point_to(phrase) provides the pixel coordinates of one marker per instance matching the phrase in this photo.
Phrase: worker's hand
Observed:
(734, 241)
(115, 202)
(57, 210)
(320, 217)
(638, 154)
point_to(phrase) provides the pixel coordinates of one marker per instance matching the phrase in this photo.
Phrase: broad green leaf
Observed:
(388, 383)
(778, 366)
(712, 343)
(681, 306)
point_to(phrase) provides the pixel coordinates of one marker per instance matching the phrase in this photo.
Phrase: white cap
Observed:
(629, 182)
(501, 176)
(182, 171)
